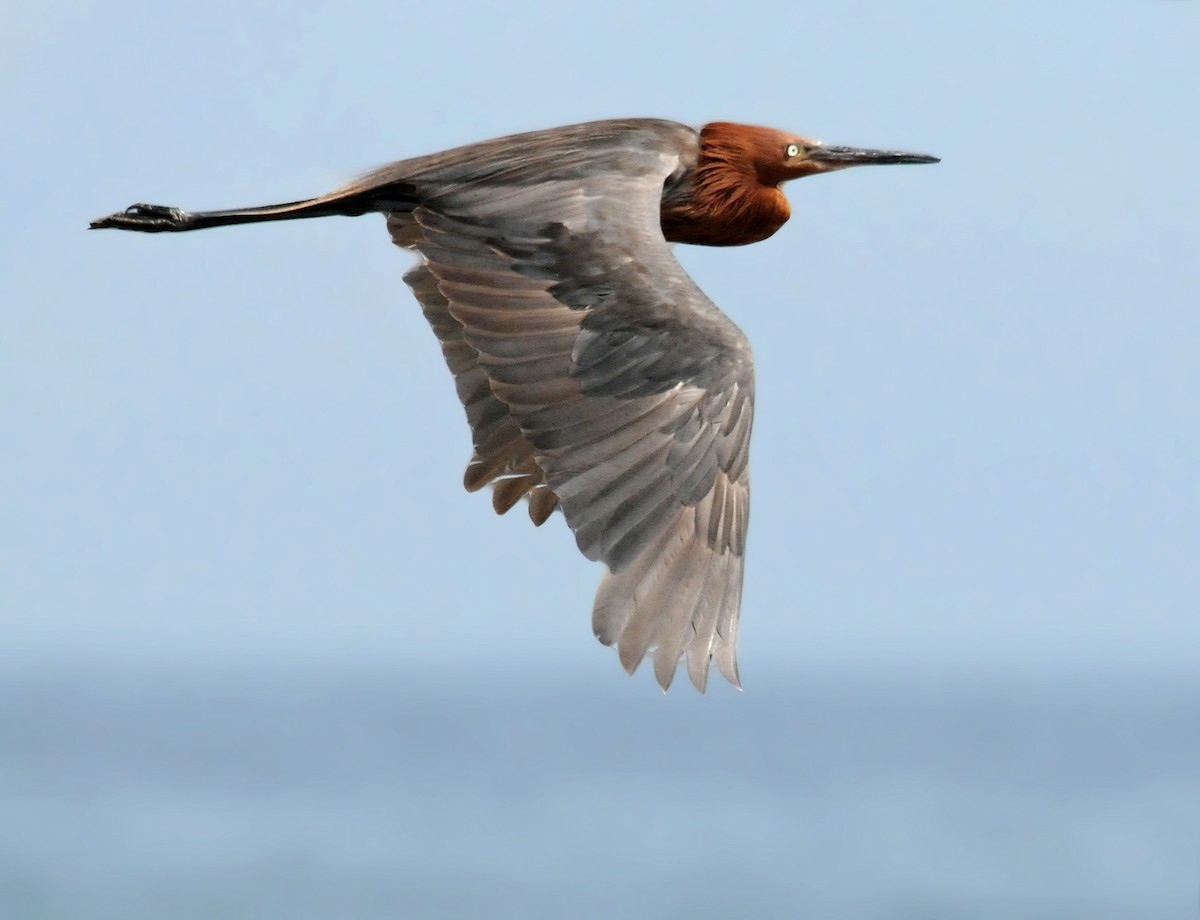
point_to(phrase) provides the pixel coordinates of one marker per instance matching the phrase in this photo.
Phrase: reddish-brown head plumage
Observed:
(733, 195)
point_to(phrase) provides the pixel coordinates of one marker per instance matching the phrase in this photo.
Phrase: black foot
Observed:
(148, 218)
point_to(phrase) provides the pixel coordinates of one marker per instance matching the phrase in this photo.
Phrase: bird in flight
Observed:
(597, 377)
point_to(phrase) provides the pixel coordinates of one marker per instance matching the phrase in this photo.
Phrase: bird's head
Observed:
(777, 156)
(733, 195)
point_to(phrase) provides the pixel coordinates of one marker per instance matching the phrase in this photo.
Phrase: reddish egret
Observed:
(596, 376)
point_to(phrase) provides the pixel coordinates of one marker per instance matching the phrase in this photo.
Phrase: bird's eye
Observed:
(792, 150)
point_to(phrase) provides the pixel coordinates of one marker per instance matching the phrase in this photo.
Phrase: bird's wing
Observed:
(588, 359)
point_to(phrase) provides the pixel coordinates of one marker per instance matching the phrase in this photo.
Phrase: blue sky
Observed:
(977, 429)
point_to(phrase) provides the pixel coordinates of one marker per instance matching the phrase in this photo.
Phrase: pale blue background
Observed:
(975, 455)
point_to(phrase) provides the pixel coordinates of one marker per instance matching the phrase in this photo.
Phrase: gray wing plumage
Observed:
(597, 377)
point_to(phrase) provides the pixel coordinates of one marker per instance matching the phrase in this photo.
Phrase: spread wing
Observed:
(596, 375)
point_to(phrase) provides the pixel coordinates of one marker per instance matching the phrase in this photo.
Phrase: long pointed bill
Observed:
(842, 157)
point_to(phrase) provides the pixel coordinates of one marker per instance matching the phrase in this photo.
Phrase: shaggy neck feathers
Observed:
(733, 195)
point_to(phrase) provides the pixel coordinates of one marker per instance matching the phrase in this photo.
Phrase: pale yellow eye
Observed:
(792, 150)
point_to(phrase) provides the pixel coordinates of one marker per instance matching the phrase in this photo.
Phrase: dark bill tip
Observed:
(857, 156)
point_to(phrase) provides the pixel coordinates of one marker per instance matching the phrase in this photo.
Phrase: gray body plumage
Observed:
(592, 367)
